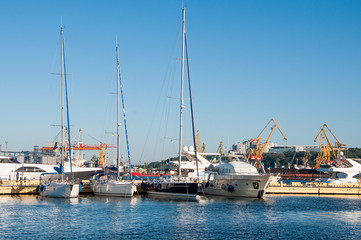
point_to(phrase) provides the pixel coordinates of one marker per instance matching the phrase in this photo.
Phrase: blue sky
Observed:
(295, 61)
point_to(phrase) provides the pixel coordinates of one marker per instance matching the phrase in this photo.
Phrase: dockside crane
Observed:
(200, 149)
(327, 151)
(260, 146)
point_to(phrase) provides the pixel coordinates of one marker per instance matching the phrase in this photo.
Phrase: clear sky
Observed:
(296, 61)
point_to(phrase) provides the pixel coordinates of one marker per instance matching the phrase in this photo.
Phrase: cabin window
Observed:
(29, 169)
(341, 175)
(358, 176)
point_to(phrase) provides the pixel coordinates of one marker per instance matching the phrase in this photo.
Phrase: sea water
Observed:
(93, 217)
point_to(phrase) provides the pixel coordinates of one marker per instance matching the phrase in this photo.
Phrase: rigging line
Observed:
(191, 104)
(67, 114)
(172, 75)
(92, 137)
(57, 135)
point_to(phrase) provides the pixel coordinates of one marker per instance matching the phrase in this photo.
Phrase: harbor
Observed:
(180, 120)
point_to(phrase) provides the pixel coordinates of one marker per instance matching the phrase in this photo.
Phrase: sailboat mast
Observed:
(181, 97)
(118, 123)
(62, 101)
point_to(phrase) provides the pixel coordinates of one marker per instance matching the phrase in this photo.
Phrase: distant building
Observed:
(292, 148)
(242, 148)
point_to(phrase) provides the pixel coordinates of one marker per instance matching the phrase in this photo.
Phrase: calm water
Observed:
(276, 217)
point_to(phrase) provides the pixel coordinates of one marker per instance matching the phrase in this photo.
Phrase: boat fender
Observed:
(157, 187)
(230, 188)
(80, 187)
(223, 187)
(260, 194)
(37, 188)
(42, 188)
(359, 180)
(207, 184)
(142, 185)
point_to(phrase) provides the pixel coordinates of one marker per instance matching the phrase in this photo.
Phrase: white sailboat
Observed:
(115, 187)
(64, 188)
(178, 186)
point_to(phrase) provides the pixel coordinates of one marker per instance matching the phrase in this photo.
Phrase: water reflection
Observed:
(289, 217)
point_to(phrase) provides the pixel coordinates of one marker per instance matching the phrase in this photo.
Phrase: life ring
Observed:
(359, 180)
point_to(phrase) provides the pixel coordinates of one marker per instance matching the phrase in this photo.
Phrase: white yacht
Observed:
(114, 188)
(9, 167)
(344, 170)
(101, 184)
(236, 178)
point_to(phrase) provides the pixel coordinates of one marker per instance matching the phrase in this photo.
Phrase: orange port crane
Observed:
(83, 147)
(260, 147)
(324, 156)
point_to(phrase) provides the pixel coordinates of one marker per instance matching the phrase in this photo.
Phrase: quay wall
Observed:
(315, 188)
(29, 187)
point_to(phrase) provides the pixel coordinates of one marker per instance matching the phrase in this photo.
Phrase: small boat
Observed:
(236, 178)
(107, 184)
(114, 188)
(63, 188)
(177, 186)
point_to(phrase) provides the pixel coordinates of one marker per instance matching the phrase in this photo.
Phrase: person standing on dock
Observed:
(11, 176)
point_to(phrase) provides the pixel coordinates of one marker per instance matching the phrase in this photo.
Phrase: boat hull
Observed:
(173, 189)
(251, 186)
(59, 190)
(114, 189)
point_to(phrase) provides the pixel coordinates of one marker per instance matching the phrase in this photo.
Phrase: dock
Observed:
(19, 187)
(30, 187)
(311, 188)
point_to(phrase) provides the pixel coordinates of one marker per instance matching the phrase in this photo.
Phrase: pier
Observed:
(310, 188)
(30, 187)
(314, 188)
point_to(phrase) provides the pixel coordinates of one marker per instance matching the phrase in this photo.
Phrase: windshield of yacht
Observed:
(227, 159)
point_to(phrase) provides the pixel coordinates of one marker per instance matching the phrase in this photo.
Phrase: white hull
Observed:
(250, 186)
(59, 190)
(33, 171)
(114, 188)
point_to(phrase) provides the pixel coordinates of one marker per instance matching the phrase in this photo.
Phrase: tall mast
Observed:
(62, 100)
(181, 97)
(118, 123)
